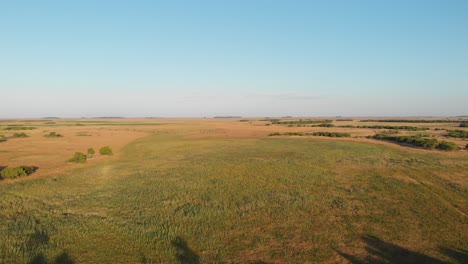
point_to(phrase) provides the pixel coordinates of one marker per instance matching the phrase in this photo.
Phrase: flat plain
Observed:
(234, 191)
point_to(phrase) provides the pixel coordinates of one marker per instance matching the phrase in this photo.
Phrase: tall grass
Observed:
(236, 201)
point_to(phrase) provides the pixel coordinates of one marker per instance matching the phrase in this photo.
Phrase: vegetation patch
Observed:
(409, 121)
(53, 135)
(78, 158)
(105, 150)
(83, 134)
(300, 122)
(15, 127)
(418, 141)
(20, 135)
(408, 128)
(458, 134)
(322, 134)
(15, 172)
(464, 124)
(3, 138)
(90, 152)
(324, 125)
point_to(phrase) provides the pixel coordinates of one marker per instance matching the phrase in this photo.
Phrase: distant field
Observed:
(224, 191)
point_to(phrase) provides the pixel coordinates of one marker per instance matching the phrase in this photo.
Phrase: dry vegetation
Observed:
(225, 191)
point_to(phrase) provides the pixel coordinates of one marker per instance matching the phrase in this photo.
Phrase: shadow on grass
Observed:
(383, 252)
(63, 258)
(184, 254)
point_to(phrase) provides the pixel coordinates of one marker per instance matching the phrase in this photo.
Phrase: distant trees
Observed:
(410, 120)
(322, 134)
(16, 127)
(464, 124)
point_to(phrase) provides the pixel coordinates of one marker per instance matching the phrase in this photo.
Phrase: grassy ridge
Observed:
(272, 200)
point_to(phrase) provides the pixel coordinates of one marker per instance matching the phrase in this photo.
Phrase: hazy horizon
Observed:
(242, 58)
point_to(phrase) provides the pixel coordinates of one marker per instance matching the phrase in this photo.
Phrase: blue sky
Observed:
(248, 58)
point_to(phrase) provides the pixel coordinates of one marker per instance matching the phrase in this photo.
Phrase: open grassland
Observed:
(223, 191)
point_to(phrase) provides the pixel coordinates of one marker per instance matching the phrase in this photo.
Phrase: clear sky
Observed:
(242, 57)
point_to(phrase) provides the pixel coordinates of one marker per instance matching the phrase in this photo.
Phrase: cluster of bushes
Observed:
(20, 135)
(319, 125)
(300, 122)
(409, 128)
(16, 127)
(15, 172)
(417, 141)
(53, 134)
(80, 157)
(344, 119)
(323, 134)
(409, 121)
(464, 124)
(324, 125)
(458, 134)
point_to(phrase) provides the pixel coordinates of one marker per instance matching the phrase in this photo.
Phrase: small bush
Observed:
(15, 172)
(78, 158)
(464, 124)
(3, 138)
(20, 135)
(91, 152)
(53, 134)
(105, 150)
(466, 147)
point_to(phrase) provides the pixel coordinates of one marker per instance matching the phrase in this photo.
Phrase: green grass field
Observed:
(166, 199)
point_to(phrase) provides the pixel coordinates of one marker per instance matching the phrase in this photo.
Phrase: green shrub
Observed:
(3, 138)
(458, 134)
(445, 145)
(78, 158)
(20, 135)
(15, 172)
(53, 134)
(105, 150)
(464, 124)
(91, 152)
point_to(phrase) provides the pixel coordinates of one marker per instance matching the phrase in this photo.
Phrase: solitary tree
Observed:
(90, 152)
